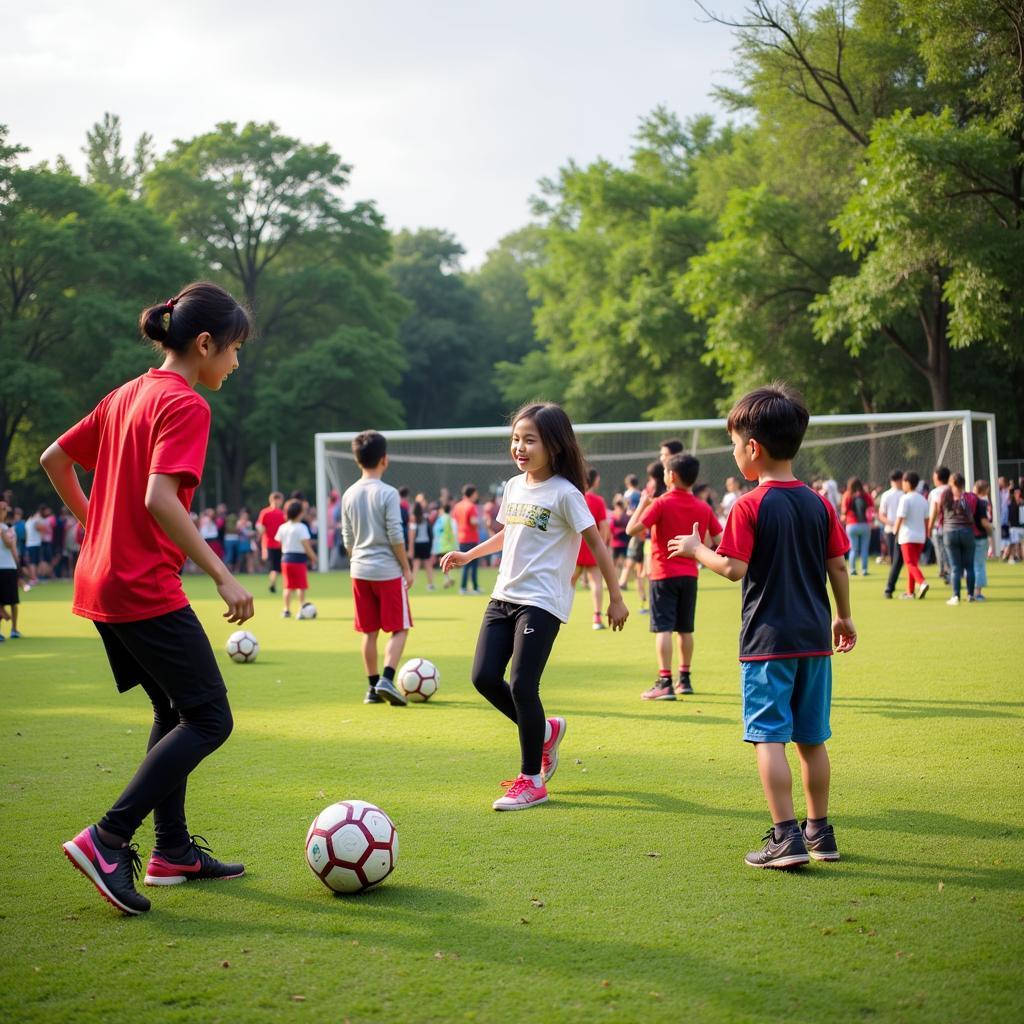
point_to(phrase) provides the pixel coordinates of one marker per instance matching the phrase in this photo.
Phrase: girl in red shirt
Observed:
(146, 442)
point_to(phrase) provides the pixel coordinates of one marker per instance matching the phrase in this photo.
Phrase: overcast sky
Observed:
(449, 111)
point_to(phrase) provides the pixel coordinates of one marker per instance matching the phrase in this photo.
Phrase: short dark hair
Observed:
(469, 490)
(911, 478)
(942, 472)
(775, 416)
(403, 491)
(294, 509)
(369, 448)
(896, 474)
(685, 467)
(673, 444)
(633, 480)
(592, 475)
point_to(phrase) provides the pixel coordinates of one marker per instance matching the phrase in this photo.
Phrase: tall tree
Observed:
(105, 161)
(266, 213)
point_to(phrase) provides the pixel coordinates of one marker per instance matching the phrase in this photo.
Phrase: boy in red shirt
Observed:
(146, 442)
(467, 522)
(268, 522)
(673, 581)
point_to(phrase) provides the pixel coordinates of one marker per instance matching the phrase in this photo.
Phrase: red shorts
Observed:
(381, 604)
(295, 576)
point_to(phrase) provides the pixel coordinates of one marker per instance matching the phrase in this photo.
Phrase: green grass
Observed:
(624, 899)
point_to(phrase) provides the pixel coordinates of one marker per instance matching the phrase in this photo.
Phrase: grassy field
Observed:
(623, 899)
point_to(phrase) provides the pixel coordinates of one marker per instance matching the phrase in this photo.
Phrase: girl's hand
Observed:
(452, 560)
(238, 600)
(617, 614)
(686, 544)
(844, 635)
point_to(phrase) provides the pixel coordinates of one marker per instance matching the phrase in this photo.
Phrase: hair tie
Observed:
(170, 303)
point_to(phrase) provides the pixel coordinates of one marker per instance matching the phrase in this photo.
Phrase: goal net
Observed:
(834, 448)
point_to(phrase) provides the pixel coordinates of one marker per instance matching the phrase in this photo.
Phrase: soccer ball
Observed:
(351, 845)
(307, 611)
(419, 679)
(242, 646)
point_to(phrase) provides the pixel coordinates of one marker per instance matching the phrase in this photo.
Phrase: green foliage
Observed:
(265, 213)
(107, 165)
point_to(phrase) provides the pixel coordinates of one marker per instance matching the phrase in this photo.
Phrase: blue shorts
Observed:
(787, 699)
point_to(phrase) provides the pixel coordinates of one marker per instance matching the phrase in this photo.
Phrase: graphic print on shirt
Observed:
(524, 514)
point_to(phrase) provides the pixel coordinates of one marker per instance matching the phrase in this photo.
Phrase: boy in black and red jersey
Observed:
(782, 539)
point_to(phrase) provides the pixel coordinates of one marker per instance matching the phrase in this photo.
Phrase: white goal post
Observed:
(836, 447)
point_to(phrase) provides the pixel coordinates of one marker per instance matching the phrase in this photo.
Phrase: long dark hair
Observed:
(656, 472)
(558, 438)
(199, 307)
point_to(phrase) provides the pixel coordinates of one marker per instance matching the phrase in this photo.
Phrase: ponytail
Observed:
(199, 307)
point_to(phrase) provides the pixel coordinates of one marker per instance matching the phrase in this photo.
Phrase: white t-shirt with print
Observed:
(290, 535)
(913, 510)
(542, 524)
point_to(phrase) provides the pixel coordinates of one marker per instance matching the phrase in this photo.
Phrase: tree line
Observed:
(855, 227)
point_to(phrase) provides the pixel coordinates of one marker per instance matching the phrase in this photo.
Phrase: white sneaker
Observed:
(597, 625)
(953, 600)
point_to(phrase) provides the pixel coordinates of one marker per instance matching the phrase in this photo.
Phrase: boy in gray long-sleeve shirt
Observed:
(371, 530)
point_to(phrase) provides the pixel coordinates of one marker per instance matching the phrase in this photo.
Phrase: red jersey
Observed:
(599, 511)
(270, 519)
(675, 512)
(464, 512)
(128, 569)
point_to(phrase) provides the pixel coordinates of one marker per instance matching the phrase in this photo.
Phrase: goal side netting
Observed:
(834, 448)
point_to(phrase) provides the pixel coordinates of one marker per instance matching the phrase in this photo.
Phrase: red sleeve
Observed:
(740, 530)
(598, 509)
(838, 543)
(652, 513)
(180, 448)
(82, 441)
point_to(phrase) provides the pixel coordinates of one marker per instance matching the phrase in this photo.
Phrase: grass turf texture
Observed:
(625, 898)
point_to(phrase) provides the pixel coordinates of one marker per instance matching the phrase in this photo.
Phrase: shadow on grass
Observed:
(898, 707)
(694, 717)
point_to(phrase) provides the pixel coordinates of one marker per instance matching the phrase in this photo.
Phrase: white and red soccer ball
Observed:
(351, 846)
(418, 679)
(242, 646)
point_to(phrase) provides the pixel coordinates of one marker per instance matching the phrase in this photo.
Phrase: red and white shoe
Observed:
(549, 759)
(195, 866)
(521, 795)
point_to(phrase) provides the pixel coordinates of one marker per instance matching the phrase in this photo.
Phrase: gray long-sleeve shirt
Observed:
(371, 522)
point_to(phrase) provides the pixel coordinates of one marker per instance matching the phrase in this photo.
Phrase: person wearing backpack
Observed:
(858, 511)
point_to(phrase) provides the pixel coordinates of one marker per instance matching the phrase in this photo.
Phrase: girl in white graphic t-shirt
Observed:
(543, 513)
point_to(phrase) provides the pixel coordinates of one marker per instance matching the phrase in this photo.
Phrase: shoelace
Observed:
(135, 859)
(769, 836)
(516, 786)
(199, 844)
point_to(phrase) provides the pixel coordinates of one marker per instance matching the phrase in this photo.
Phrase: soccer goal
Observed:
(835, 447)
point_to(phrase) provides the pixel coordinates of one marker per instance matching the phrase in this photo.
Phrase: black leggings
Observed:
(523, 635)
(178, 741)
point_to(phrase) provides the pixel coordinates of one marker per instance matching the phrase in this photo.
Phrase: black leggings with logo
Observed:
(523, 635)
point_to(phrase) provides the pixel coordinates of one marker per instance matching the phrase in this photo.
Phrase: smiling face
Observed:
(216, 367)
(528, 451)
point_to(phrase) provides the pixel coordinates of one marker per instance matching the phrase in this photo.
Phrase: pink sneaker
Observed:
(521, 795)
(549, 761)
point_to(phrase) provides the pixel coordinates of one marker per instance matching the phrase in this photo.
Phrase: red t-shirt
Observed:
(463, 512)
(128, 569)
(599, 510)
(270, 519)
(676, 512)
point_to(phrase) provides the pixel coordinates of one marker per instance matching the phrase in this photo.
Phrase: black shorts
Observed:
(9, 586)
(673, 604)
(421, 550)
(618, 551)
(274, 558)
(171, 651)
(635, 551)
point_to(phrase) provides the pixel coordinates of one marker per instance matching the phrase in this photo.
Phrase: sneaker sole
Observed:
(396, 700)
(667, 696)
(796, 861)
(179, 879)
(82, 863)
(823, 856)
(519, 807)
(553, 754)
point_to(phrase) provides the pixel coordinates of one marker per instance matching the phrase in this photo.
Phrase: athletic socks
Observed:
(665, 675)
(784, 827)
(389, 673)
(536, 780)
(374, 680)
(815, 825)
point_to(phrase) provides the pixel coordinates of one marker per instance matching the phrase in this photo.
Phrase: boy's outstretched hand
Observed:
(617, 614)
(686, 544)
(844, 635)
(452, 560)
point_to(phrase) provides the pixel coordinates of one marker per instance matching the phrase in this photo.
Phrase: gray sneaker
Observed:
(787, 852)
(822, 846)
(387, 689)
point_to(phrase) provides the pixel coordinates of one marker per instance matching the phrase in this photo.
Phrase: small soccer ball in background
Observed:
(307, 611)
(419, 679)
(351, 845)
(242, 646)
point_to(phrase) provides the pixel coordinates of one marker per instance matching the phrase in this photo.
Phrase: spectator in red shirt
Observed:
(147, 442)
(586, 564)
(268, 522)
(857, 509)
(467, 523)
(673, 581)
